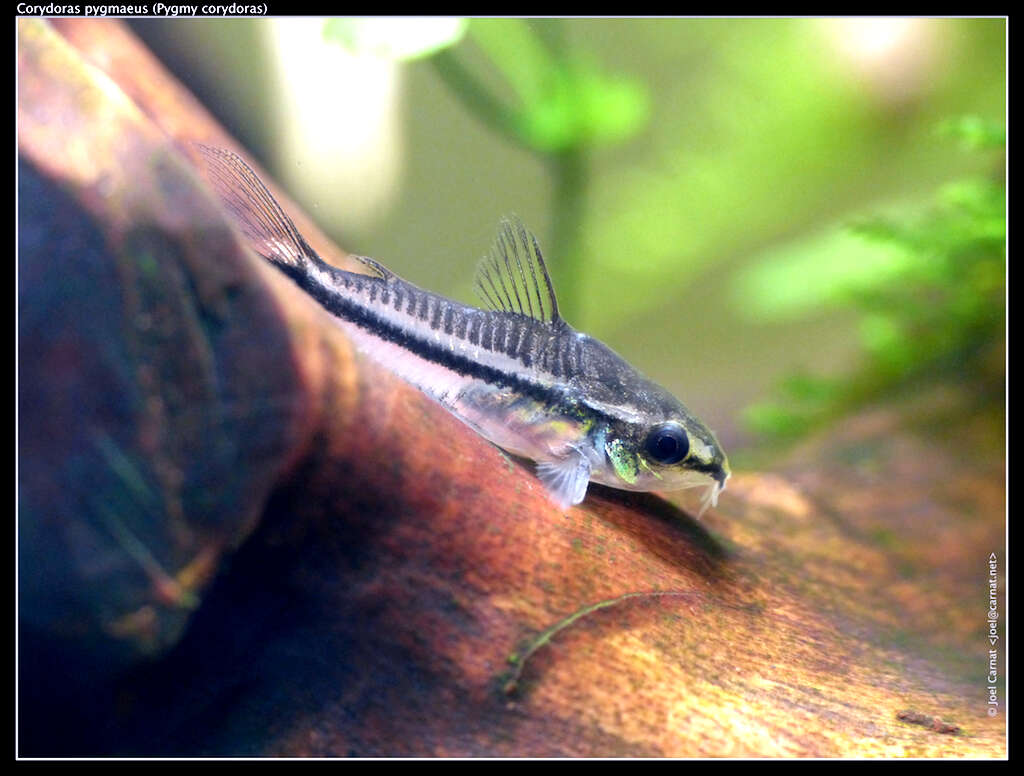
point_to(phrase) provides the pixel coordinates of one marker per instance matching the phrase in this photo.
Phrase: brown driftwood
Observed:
(239, 537)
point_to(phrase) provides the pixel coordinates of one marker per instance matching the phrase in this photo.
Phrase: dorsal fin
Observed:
(512, 277)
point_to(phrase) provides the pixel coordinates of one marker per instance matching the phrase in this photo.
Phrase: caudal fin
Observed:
(269, 230)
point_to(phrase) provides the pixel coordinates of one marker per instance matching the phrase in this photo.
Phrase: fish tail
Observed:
(259, 217)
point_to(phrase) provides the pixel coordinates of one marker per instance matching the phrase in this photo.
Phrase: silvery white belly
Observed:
(519, 424)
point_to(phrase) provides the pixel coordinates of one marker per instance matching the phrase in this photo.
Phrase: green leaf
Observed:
(771, 419)
(974, 132)
(517, 53)
(799, 278)
(935, 303)
(578, 106)
(564, 102)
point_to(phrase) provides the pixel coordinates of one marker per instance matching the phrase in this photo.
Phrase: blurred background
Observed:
(777, 219)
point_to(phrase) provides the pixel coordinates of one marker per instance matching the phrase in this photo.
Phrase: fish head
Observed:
(652, 442)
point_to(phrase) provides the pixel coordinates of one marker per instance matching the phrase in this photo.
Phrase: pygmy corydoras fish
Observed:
(515, 372)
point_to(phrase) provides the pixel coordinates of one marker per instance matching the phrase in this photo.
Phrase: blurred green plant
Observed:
(564, 104)
(929, 289)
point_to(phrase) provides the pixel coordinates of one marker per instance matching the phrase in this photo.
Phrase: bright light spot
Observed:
(340, 140)
(894, 58)
(873, 38)
(397, 38)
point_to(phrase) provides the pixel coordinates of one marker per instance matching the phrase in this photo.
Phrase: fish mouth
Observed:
(711, 491)
(710, 498)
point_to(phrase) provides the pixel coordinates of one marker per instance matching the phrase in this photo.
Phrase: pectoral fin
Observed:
(566, 479)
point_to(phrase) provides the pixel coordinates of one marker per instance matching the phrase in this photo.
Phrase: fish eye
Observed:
(667, 443)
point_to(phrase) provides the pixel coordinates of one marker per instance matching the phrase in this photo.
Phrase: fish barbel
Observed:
(515, 372)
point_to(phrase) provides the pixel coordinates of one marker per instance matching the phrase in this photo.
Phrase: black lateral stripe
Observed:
(350, 310)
